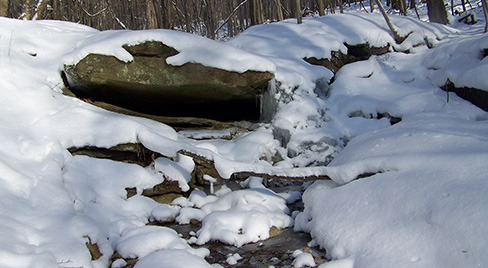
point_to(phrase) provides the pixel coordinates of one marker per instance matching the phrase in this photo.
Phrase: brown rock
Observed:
(148, 84)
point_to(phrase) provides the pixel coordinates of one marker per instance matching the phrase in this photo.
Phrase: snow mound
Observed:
(430, 197)
(463, 62)
(173, 258)
(142, 241)
(236, 217)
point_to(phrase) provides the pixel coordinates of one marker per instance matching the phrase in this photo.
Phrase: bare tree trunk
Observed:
(3, 8)
(279, 11)
(40, 8)
(298, 11)
(437, 11)
(152, 19)
(256, 12)
(332, 6)
(403, 7)
(414, 6)
(398, 39)
(371, 4)
(321, 7)
(26, 10)
(485, 10)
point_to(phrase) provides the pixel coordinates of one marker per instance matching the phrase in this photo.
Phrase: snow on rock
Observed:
(424, 210)
(142, 241)
(191, 48)
(173, 258)
(303, 259)
(461, 61)
(232, 259)
(163, 213)
(318, 37)
(343, 263)
(234, 217)
(174, 171)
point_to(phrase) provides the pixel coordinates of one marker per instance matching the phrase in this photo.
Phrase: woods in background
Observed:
(204, 17)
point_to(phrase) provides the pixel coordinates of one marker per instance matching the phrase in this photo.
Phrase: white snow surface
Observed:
(422, 205)
(303, 259)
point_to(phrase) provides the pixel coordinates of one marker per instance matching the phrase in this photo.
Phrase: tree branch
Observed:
(230, 16)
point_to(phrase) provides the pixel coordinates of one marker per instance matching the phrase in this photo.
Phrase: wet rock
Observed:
(149, 85)
(354, 53)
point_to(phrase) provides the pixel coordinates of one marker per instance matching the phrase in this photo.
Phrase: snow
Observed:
(233, 259)
(421, 204)
(173, 258)
(303, 259)
(191, 48)
(445, 63)
(140, 242)
(238, 217)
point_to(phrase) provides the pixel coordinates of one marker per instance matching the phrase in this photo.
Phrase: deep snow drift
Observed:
(423, 205)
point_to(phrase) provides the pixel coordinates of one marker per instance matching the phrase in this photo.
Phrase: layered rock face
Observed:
(149, 85)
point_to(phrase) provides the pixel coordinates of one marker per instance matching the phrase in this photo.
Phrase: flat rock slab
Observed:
(149, 85)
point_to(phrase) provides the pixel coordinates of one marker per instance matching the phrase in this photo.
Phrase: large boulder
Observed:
(149, 85)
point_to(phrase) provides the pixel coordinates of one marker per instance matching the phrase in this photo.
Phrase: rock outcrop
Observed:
(354, 53)
(149, 85)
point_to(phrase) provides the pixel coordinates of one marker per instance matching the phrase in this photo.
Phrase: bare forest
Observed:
(211, 18)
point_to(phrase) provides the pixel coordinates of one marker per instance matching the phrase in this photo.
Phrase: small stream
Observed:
(274, 252)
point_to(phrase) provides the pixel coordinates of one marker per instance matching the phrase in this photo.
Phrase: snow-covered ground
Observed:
(423, 204)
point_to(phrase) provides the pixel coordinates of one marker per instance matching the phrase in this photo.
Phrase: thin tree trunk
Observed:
(437, 11)
(403, 7)
(371, 4)
(40, 7)
(26, 11)
(321, 7)
(3, 8)
(231, 15)
(485, 10)
(414, 5)
(396, 36)
(152, 20)
(298, 11)
(279, 11)
(256, 12)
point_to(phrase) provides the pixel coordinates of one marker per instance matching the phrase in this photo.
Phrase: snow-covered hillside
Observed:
(422, 202)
